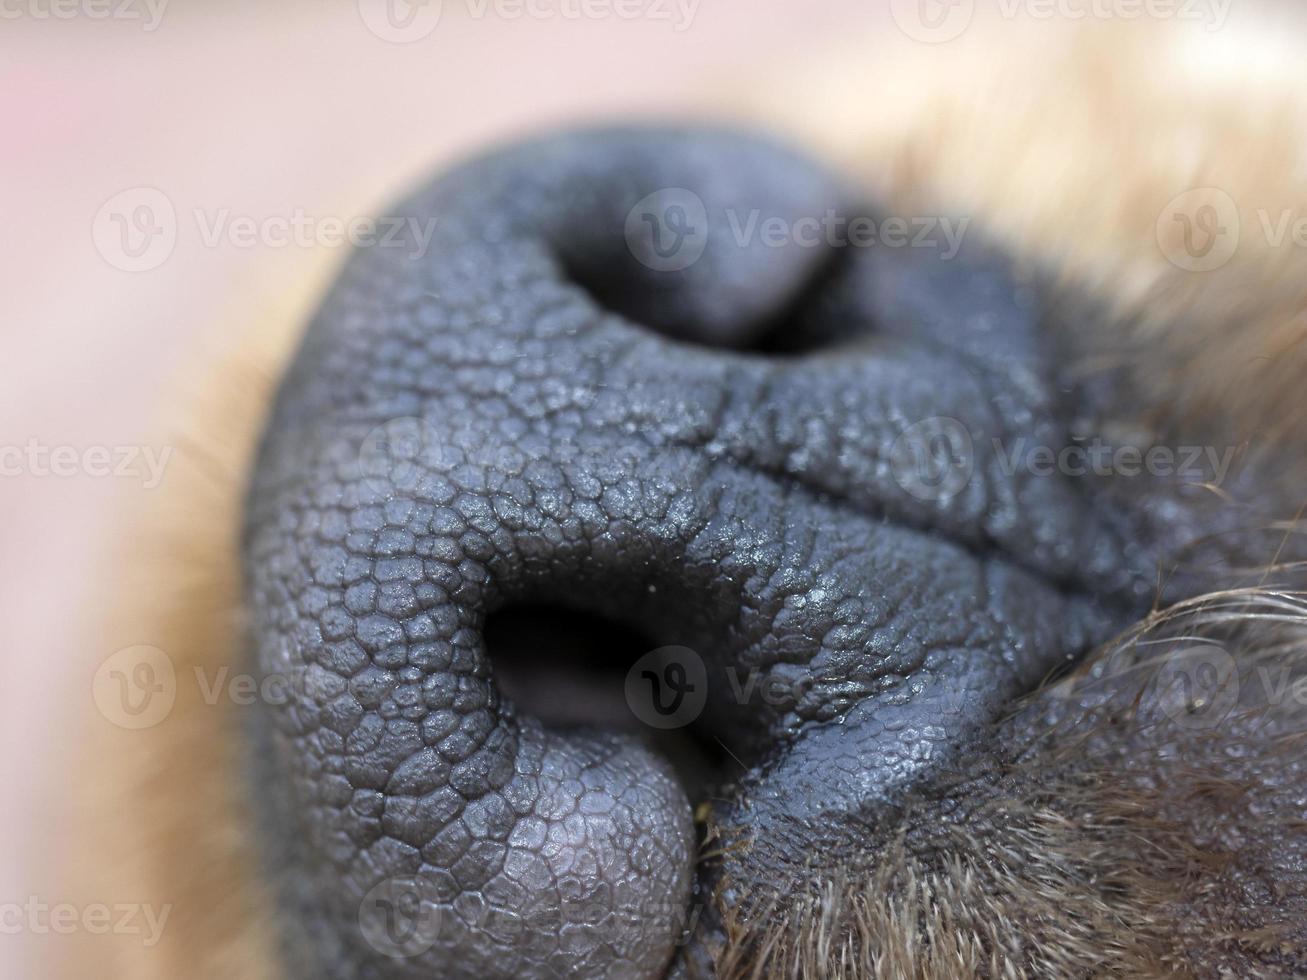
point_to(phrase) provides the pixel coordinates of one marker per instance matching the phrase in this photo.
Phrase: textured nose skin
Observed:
(558, 399)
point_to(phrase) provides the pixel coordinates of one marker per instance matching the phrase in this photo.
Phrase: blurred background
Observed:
(174, 170)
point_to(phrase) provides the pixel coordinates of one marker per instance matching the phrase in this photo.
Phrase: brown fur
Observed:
(1112, 841)
(1082, 866)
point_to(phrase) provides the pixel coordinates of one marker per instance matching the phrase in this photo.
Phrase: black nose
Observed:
(683, 380)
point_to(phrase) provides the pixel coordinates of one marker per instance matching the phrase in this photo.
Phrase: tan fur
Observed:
(164, 821)
(1067, 142)
(1067, 147)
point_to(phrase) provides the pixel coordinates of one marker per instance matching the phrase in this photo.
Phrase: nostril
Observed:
(563, 667)
(818, 315)
(569, 669)
(704, 242)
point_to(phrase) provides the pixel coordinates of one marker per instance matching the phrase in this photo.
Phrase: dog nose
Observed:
(642, 374)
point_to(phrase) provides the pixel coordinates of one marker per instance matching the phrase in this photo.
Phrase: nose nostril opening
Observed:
(818, 317)
(616, 284)
(812, 315)
(568, 669)
(564, 667)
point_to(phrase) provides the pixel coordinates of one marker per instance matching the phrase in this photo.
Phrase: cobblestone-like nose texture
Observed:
(546, 386)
